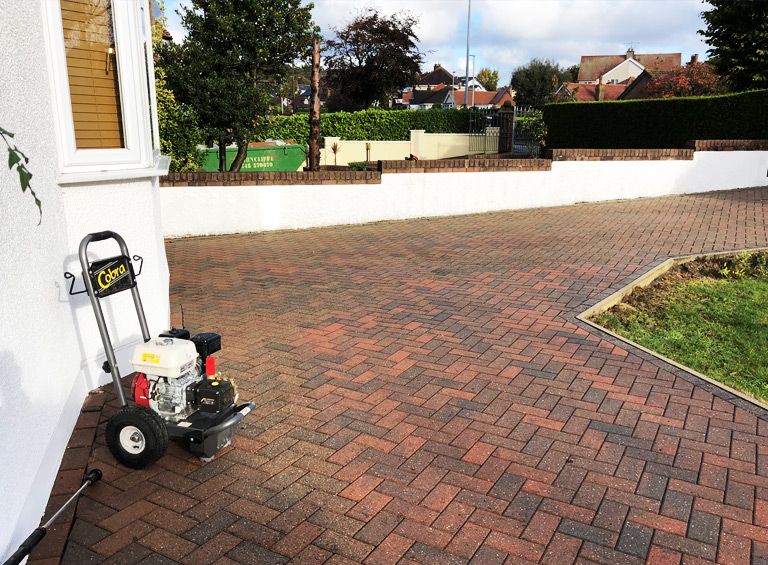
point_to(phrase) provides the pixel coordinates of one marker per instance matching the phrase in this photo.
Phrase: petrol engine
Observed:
(177, 376)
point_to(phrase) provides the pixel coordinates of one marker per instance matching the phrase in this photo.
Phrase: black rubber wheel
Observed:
(136, 436)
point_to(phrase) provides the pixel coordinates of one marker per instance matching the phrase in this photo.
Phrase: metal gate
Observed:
(484, 125)
(498, 132)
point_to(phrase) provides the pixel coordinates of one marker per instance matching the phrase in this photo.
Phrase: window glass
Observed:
(92, 71)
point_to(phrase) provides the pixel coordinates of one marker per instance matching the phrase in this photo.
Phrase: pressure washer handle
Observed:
(102, 235)
(26, 546)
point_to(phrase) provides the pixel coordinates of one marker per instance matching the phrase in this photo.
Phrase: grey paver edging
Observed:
(646, 279)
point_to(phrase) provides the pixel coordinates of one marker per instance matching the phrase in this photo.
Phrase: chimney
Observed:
(630, 53)
(600, 89)
(694, 59)
(437, 66)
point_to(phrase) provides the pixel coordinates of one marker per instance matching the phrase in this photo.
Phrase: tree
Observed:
(572, 73)
(737, 31)
(179, 131)
(371, 59)
(694, 79)
(489, 78)
(234, 56)
(536, 81)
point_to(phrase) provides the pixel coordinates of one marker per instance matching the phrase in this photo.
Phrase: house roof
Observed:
(485, 97)
(593, 67)
(588, 92)
(438, 75)
(435, 96)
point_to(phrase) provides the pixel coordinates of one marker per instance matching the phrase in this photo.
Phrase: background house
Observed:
(474, 84)
(437, 76)
(447, 97)
(615, 77)
(480, 99)
(586, 92)
(639, 87)
(616, 69)
(95, 162)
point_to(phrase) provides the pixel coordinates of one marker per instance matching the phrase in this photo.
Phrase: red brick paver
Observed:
(425, 395)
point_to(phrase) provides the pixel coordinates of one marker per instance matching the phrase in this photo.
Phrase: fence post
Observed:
(506, 131)
(417, 143)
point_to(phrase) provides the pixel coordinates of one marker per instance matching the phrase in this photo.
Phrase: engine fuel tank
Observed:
(165, 357)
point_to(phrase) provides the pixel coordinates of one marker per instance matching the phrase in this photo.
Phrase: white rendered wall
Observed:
(423, 145)
(50, 351)
(355, 151)
(232, 209)
(621, 72)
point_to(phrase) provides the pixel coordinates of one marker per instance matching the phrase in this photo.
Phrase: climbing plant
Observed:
(19, 161)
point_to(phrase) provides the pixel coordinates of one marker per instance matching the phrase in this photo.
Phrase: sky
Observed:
(505, 34)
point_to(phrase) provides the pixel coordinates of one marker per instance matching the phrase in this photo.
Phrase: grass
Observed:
(710, 315)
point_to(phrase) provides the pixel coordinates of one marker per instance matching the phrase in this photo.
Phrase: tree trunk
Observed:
(222, 153)
(314, 116)
(242, 152)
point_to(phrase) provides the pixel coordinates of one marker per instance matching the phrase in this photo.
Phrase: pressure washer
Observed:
(176, 392)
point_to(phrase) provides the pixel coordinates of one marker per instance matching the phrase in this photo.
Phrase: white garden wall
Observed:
(421, 144)
(231, 209)
(50, 350)
(356, 151)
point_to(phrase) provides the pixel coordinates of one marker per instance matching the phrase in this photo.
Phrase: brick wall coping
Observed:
(464, 165)
(620, 154)
(200, 178)
(729, 145)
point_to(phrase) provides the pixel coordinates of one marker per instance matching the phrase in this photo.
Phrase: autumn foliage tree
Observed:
(488, 77)
(370, 59)
(694, 79)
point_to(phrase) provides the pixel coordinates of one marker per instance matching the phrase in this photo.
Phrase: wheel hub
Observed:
(132, 440)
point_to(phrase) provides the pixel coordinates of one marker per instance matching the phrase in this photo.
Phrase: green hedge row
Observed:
(373, 125)
(657, 123)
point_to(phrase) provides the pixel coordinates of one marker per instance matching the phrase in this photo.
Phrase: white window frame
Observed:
(132, 32)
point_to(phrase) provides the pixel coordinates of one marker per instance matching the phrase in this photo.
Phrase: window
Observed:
(102, 81)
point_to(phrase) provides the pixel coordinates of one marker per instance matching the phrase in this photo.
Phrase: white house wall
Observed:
(622, 71)
(232, 209)
(50, 350)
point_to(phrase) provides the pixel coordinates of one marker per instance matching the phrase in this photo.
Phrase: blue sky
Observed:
(508, 33)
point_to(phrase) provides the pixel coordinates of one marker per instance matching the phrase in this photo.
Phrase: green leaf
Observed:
(13, 158)
(24, 177)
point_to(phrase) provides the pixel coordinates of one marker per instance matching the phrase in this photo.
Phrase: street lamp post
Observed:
(473, 80)
(466, 84)
(453, 89)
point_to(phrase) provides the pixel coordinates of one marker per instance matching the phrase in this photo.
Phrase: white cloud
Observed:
(508, 33)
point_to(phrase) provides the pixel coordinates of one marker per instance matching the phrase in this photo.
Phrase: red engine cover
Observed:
(140, 390)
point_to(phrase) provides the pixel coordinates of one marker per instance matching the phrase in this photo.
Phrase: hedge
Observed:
(657, 123)
(372, 125)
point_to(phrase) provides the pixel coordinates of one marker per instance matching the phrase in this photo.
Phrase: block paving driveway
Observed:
(425, 395)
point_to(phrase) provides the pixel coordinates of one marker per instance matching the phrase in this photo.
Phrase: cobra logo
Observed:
(108, 276)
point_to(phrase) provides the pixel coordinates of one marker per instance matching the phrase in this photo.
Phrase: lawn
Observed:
(709, 315)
